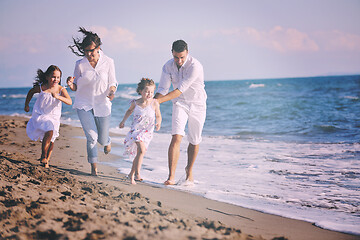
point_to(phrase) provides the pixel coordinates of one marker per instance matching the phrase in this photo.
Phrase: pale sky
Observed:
(233, 39)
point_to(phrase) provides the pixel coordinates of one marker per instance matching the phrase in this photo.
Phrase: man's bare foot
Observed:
(187, 183)
(189, 176)
(169, 182)
(107, 149)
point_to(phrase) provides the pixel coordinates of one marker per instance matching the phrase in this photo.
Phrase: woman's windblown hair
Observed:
(81, 44)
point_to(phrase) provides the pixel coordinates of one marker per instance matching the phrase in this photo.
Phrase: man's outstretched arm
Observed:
(171, 95)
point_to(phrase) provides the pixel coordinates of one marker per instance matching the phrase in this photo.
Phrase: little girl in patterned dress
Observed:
(44, 123)
(146, 110)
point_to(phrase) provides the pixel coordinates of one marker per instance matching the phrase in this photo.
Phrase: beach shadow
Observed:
(230, 214)
(71, 171)
(81, 173)
(15, 161)
(76, 172)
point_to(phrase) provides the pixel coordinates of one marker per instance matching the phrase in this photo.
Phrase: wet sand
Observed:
(66, 202)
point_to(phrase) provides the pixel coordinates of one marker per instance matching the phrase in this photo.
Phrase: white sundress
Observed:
(142, 129)
(45, 117)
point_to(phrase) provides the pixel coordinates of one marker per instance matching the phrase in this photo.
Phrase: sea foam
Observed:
(288, 179)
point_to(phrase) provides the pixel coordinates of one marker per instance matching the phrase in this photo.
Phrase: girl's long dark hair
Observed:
(41, 76)
(81, 44)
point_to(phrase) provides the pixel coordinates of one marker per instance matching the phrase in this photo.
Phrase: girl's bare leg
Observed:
(142, 147)
(51, 147)
(135, 169)
(45, 148)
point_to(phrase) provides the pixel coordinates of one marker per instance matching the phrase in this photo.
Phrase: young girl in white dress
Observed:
(44, 123)
(146, 117)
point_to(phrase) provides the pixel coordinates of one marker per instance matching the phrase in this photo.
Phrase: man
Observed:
(186, 74)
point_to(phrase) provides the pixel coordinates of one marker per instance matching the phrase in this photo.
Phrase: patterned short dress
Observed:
(142, 129)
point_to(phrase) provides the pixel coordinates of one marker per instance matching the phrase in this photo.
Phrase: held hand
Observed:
(122, 125)
(157, 126)
(26, 108)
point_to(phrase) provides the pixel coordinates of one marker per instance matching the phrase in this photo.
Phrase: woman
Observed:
(95, 85)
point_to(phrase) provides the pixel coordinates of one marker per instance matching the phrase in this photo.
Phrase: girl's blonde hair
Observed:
(144, 82)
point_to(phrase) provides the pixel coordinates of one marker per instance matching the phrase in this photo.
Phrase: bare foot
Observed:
(46, 165)
(45, 162)
(107, 149)
(132, 179)
(138, 178)
(169, 182)
(93, 169)
(189, 176)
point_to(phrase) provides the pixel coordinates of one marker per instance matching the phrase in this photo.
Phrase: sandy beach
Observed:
(66, 202)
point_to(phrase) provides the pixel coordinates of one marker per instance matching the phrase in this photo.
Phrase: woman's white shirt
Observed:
(93, 85)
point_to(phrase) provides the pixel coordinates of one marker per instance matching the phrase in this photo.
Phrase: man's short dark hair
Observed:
(179, 46)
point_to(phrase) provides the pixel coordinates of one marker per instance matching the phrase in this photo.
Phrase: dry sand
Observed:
(65, 202)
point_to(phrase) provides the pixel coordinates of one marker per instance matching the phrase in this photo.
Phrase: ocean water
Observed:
(290, 147)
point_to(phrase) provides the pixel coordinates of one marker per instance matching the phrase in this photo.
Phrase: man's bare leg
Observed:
(173, 155)
(192, 154)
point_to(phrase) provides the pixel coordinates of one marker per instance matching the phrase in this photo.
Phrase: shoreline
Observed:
(202, 215)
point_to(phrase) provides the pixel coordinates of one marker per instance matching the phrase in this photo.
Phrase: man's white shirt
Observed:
(189, 79)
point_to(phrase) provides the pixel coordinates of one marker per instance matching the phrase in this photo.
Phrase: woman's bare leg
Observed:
(93, 169)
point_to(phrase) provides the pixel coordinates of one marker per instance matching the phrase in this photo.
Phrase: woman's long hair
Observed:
(41, 77)
(81, 44)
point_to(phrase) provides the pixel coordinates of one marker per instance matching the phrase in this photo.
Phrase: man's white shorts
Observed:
(194, 115)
